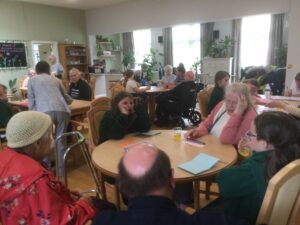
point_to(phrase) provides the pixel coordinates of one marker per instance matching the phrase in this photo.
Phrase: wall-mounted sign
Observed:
(12, 55)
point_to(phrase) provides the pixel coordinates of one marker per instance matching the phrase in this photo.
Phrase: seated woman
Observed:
(180, 71)
(168, 78)
(123, 118)
(217, 95)
(253, 88)
(131, 86)
(29, 193)
(273, 137)
(230, 119)
(295, 87)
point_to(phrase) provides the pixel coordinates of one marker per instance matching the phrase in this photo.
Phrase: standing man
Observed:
(47, 94)
(146, 178)
(79, 88)
(56, 68)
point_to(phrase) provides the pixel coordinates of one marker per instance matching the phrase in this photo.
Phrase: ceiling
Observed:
(77, 4)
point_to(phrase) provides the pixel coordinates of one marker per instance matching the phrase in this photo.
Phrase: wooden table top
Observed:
(77, 106)
(106, 156)
(156, 89)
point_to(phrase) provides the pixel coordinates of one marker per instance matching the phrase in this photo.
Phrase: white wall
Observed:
(134, 15)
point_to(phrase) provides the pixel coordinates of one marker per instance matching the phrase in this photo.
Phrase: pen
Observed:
(196, 141)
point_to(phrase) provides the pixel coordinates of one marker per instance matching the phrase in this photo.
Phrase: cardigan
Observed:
(235, 128)
(30, 194)
(243, 187)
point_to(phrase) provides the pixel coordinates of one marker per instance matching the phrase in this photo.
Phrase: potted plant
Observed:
(219, 48)
(128, 60)
(197, 66)
(150, 63)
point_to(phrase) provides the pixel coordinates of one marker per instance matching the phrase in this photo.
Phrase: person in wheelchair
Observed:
(178, 102)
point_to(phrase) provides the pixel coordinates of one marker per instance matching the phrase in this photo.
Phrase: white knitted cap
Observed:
(25, 128)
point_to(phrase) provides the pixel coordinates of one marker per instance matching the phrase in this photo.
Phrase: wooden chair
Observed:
(203, 99)
(115, 89)
(2, 144)
(92, 84)
(102, 101)
(281, 204)
(95, 116)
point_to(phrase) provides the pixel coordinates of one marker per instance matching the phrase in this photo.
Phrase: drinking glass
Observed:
(177, 133)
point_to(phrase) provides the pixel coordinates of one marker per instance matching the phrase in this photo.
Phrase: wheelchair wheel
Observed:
(195, 117)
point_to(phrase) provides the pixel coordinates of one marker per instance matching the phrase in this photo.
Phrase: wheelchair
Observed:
(178, 104)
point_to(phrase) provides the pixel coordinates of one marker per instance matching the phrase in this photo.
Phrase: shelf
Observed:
(79, 64)
(76, 55)
(104, 42)
(107, 56)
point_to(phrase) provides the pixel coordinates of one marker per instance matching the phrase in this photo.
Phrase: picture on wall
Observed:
(12, 55)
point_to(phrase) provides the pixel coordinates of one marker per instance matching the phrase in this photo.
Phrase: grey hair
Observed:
(168, 66)
(240, 88)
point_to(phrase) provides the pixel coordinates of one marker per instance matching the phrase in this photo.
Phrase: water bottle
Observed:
(268, 91)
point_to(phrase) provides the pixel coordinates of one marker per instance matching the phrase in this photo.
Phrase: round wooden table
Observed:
(107, 155)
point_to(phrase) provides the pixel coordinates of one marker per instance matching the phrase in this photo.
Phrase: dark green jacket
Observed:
(243, 187)
(5, 114)
(117, 126)
(216, 96)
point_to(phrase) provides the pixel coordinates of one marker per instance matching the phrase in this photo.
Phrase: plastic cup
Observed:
(177, 133)
(245, 151)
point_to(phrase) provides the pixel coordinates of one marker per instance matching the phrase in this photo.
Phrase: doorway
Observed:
(41, 50)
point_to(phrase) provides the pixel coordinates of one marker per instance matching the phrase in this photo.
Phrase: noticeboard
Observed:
(12, 55)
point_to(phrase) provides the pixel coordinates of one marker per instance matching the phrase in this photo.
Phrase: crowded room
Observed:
(168, 112)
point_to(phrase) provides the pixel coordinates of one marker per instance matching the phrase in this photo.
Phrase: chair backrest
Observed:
(102, 101)
(203, 99)
(115, 89)
(2, 142)
(94, 116)
(281, 203)
(92, 84)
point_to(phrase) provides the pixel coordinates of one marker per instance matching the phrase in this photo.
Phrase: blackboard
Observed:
(12, 55)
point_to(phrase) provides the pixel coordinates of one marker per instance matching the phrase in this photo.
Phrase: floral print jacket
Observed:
(30, 194)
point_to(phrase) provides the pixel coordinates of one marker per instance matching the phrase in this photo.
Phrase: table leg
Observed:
(196, 194)
(151, 106)
(102, 187)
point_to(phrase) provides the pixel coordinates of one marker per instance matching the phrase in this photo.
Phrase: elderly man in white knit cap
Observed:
(29, 193)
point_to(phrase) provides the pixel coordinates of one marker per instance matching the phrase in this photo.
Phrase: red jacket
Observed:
(235, 128)
(30, 194)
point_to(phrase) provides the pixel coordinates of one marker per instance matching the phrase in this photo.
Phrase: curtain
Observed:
(236, 48)
(275, 38)
(168, 46)
(128, 44)
(206, 37)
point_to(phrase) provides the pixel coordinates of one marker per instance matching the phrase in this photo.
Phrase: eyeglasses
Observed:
(250, 134)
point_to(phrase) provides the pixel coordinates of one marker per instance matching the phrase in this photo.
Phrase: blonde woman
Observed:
(230, 119)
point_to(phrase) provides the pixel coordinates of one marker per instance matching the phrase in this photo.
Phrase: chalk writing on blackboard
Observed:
(12, 55)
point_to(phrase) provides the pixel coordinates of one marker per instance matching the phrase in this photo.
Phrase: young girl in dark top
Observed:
(123, 118)
(217, 95)
(274, 139)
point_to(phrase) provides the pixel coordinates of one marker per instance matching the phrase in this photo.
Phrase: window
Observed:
(186, 44)
(255, 40)
(142, 44)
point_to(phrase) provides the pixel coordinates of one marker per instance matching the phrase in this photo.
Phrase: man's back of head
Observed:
(42, 67)
(145, 170)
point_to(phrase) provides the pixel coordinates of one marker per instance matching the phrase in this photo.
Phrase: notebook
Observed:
(199, 164)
